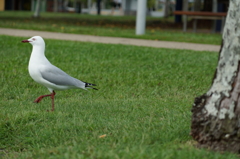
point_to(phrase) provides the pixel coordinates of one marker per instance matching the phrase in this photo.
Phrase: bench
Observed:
(201, 15)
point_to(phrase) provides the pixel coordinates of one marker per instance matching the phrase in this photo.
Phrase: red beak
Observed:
(25, 41)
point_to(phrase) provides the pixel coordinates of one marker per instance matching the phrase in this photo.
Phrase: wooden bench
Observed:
(201, 15)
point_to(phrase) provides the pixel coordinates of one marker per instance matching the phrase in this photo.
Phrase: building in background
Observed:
(157, 8)
(129, 7)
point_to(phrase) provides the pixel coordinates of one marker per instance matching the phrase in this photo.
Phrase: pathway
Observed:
(110, 40)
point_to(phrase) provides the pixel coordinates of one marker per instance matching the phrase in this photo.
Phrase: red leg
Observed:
(38, 100)
(41, 97)
(52, 96)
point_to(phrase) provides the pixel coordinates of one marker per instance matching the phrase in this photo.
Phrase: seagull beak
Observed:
(25, 41)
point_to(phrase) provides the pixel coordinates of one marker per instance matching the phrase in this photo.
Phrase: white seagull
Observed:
(43, 72)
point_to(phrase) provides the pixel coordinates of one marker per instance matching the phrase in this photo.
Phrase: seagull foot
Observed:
(38, 100)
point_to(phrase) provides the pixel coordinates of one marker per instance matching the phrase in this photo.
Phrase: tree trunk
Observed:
(166, 14)
(99, 7)
(89, 6)
(216, 114)
(55, 6)
(37, 9)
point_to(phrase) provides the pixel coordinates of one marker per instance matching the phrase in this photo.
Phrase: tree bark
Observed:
(37, 9)
(55, 6)
(99, 7)
(166, 14)
(216, 114)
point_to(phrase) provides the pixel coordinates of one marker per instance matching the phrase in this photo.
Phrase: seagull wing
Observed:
(56, 76)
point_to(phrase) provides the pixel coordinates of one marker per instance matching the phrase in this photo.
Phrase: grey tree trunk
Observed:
(166, 14)
(55, 6)
(37, 9)
(216, 114)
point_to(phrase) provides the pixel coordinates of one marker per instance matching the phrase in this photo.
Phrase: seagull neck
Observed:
(38, 50)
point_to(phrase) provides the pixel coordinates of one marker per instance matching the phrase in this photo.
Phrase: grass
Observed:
(114, 26)
(143, 103)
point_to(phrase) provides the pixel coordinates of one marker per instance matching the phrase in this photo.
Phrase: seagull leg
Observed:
(38, 100)
(52, 96)
(41, 97)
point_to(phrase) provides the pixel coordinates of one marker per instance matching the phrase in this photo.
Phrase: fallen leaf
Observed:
(102, 136)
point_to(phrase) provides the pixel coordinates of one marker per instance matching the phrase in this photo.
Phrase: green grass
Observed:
(143, 103)
(114, 26)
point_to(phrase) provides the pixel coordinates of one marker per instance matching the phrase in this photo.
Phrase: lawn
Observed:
(142, 106)
(114, 26)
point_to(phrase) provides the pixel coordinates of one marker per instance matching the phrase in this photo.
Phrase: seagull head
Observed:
(35, 40)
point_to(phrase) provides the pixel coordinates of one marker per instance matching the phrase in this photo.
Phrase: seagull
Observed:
(48, 75)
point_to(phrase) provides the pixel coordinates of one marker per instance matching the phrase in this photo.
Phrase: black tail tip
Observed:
(88, 85)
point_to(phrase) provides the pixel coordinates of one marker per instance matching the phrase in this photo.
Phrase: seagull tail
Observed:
(89, 85)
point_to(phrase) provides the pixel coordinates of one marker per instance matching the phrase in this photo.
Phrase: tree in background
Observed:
(55, 6)
(216, 114)
(37, 9)
(99, 7)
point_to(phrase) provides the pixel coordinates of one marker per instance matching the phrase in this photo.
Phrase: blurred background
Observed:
(156, 8)
(160, 13)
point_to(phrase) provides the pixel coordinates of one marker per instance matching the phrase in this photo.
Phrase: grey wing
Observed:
(59, 77)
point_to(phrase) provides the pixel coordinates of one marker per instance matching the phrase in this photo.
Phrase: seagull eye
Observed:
(33, 39)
